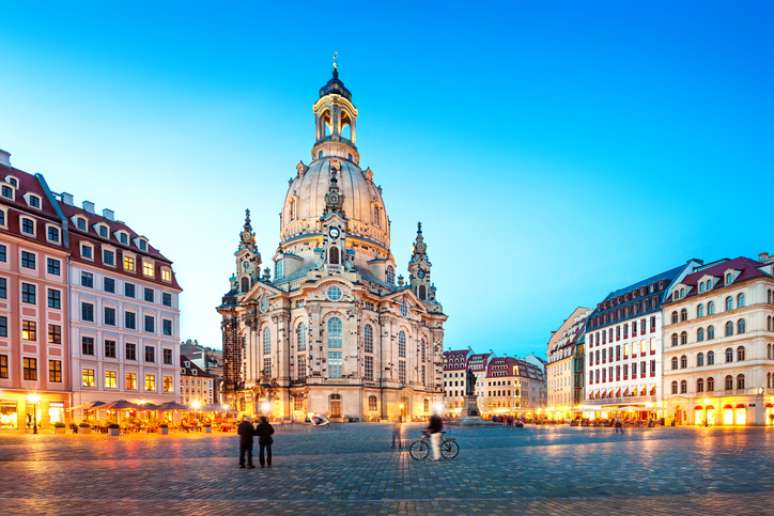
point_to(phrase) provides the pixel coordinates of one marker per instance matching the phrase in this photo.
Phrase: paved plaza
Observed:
(351, 468)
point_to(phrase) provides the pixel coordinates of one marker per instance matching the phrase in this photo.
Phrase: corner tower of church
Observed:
(332, 333)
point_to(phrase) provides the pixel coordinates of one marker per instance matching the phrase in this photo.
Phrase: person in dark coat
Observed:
(264, 431)
(246, 433)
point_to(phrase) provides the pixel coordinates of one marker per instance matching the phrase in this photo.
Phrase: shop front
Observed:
(24, 411)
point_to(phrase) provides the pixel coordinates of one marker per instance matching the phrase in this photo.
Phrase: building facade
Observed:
(565, 372)
(334, 333)
(455, 375)
(513, 387)
(624, 349)
(719, 347)
(34, 344)
(197, 386)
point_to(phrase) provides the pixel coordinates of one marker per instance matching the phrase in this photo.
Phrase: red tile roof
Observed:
(747, 268)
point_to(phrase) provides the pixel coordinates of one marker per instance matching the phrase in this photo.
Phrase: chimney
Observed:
(5, 158)
(67, 198)
(765, 257)
(108, 214)
(88, 206)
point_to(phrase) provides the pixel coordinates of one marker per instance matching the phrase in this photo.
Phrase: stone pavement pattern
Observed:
(350, 468)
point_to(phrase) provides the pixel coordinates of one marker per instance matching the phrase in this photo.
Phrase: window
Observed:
(368, 338)
(710, 308)
(129, 289)
(301, 337)
(683, 362)
(266, 341)
(674, 363)
(684, 338)
(123, 238)
(402, 371)
(740, 353)
(150, 324)
(368, 371)
(130, 351)
(683, 386)
(700, 335)
(87, 252)
(29, 330)
(150, 383)
(130, 320)
(333, 255)
(729, 303)
(167, 356)
(710, 384)
(109, 285)
(111, 381)
(166, 326)
(80, 223)
(28, 260)
(3, 288)
(740, 300)
(142, 244)
(3, 366)
(740, 381)
(267, 366)
(129, 263)
(28, 293)
(150, 354)
(301, 367)
(7, 192)
(699, 359)
(334, 293)
(674, 317)
(710, 358)
(729, 355)
(334, 333)
(729, 329)
(110, 316)
(3, 253)
(87, 345)
(402, 346)
(87, 279)
(372, 407)
(683, 315)
(102, 230)
(700, 310)
(168, 384)
(334, 364)
(166, 299)
(27, 226)
(108, 257)
(54, 266)
(87, 312)
(110, 349)
(54, 334)
(674, 387)
(149, 297)
(54, 298)
(30, 366)
(3, 326)
(88, 378)
(130, 381)
(710, 332)
(52, 234)
(148, 269)
(166, 274)
(740, 327)
(700, 385)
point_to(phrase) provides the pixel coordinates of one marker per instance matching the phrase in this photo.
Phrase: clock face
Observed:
(334, 232)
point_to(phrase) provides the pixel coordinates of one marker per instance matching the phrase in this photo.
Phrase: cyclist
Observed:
(435, 429)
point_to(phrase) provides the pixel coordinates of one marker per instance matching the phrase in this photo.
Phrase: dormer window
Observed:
(53, 234)
(8, 192)
(129, 263)
(81, 223)
(729, 278)
(141, 244)
(102, 230)
(27, 226)
(33, 201)
(166, 274)
(12, 181)
(148, 269)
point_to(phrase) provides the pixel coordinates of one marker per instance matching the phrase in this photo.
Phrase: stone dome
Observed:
(362, 202)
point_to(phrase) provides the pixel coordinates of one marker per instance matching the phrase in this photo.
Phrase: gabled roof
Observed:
(188, 370)
(747, 268)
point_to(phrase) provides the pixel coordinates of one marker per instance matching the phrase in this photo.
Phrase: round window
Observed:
(264, 304)
(334, 293)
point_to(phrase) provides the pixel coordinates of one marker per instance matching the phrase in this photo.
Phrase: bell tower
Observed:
(335, 121)
(248, 259)
(419, 268)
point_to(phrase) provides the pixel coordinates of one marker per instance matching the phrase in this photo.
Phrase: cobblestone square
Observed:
(351, 469)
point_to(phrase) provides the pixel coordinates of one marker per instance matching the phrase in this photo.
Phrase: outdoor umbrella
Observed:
(172, 405)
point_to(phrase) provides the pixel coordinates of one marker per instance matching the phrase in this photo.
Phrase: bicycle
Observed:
(420, 448)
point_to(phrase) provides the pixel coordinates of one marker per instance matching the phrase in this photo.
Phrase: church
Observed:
(333, 332)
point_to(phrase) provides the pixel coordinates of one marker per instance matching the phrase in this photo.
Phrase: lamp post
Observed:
(34, 399)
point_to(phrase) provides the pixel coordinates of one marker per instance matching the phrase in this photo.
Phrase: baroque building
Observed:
(334, 332)
(565, 375)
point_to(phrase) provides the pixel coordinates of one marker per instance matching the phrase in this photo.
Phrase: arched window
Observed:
(368, 338)
(372, 403)
(700, 385)
(674, 363)
(245, 284)
(740, 326)
(699, 359)
(301, 337)
(740, 381)
(674, 317)
(334, 333)
(674, 387)
(700, 310)
(729, 328)
(740, 353)
(683, 314)
(710, 307)
(266, 341)
(292, 209)
(326, 128)
(710, 384)
(377, 216)
(740, 300)
(729, 382)
(683, 362)
(710, 358)
(422, 292)
(683, 386)
(346, 126)
(402, 344)
(426, 405)
(674, 339)
(729, 303)
(684, 338)
(700, 335)
(729, 355)
(333, 255)
(710, 332)
(390, 276)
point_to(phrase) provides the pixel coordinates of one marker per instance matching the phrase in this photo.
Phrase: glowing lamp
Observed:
(196, 404)
(33, 398)
(265, 407)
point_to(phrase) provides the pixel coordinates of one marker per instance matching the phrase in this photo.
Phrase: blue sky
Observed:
(553, 151)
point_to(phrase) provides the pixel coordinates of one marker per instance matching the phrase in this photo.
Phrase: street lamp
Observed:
(34, 399)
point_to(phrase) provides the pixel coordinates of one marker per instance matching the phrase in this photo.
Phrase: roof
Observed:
(478, 361)
(188, 368)
(455, 360)
(335, 86)
(746, 267)
(28, 183)
(509, 366)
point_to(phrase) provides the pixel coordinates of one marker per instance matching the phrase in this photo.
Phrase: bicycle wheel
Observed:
(449, 449)
(419, 450)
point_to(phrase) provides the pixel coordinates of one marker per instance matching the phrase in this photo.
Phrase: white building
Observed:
(197, 386)
(624, 349)
(565, 376)
(124, 313)
(455, 375)
(719, 346)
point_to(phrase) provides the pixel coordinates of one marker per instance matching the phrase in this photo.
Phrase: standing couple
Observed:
(246, 431)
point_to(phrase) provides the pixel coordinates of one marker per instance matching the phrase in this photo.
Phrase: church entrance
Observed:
(334, 406)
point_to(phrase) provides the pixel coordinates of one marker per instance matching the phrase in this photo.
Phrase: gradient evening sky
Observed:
(554, 152)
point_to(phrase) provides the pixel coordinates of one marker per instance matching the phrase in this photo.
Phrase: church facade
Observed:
(333, 332)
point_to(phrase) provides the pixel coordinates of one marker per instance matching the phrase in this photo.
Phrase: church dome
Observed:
(362, 201)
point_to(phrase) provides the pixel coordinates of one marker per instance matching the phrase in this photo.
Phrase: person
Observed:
(264, 431)
(397, 431)
(435, 429)
(618, 424)
(246, 432)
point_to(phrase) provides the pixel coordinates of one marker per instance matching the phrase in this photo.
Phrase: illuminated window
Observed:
(30, 368)
(87, 378)
(166, 274)
(110, 380)
(148, 270)
(169, 384)
(29, 330)
(150, 383)
(129, 263)
(130, 381)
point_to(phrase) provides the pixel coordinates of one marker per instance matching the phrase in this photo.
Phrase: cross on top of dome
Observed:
(334, 84)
